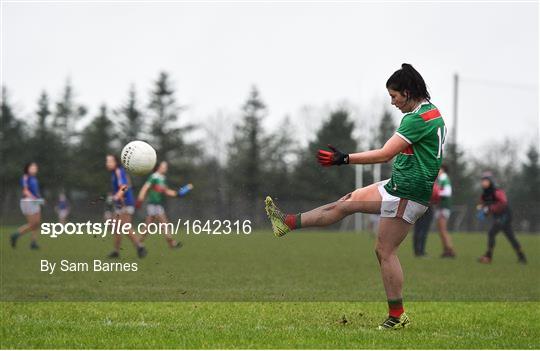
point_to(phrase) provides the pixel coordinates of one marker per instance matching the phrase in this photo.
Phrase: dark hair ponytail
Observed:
(27, 167)
(408, 82)
(116, 159)
(157, 165)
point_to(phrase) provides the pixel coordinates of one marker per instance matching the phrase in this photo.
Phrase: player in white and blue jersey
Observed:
(31, 202)
(124, 204)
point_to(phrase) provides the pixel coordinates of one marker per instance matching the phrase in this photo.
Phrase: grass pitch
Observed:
(260, 325)
(307, 290)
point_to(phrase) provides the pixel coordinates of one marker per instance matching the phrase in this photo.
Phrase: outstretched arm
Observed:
(169, 192)
(122, 187)
(143, 191)
(393, 146)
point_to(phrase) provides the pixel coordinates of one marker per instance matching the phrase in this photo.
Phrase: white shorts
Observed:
(442, 212)
(125, 210)
(393, 206)
(30, 206)
(63, 213)
(154, 210)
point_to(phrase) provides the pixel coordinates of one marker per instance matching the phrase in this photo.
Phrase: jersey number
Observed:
(441, 133)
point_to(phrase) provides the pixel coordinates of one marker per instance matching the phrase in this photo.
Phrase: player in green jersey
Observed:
(442, 212)
(156, 189)
(400, 200)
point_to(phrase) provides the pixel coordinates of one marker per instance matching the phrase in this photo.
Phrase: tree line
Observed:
(257, 162)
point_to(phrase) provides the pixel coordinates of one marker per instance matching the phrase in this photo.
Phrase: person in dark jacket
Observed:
(494, 202)
(423, 224)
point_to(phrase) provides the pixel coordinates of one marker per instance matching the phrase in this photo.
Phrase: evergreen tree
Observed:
(167, 136)
(131, 120)
(43, 112)
(67, 114)
(95, 145)
(45, 147)
(527, 194)
(463, 180)
(280, 155)
(531, 174)
(13, 153)
(316, 183)
(245, 153)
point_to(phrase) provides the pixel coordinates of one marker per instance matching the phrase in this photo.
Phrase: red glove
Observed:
(332, 158)
(138, 203)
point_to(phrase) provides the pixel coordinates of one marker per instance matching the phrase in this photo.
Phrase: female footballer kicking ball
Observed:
(156, 187)
(124, 204)
(30, 205)
(400, 200)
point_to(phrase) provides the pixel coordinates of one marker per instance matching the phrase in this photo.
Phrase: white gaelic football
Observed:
(138, 157)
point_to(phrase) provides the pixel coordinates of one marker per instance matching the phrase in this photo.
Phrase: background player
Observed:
(108, 207)
(62, 208)
(124, 203)
(31, 202)
(423, 224)
(442, 212)
(493, 201)
(402, 199)
(156, 188)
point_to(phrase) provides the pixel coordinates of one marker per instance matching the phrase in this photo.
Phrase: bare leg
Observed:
(33, 224)
(117, 238)
(168, 236)
(25, 228)
(392, 231)
(446, 240)
(365, 200)
(126, 218)
(62, 219)
(36, 221)
(147, 221)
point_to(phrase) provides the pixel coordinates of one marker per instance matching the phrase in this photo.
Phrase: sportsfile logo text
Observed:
(114, 226)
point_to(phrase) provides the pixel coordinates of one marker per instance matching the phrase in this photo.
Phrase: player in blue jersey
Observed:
(31, 202)
(62, 208)
(124, 204)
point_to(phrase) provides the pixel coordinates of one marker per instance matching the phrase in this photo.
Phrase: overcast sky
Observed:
(298, 55)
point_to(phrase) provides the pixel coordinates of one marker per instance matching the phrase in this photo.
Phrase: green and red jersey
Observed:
(415, 169)
(157, 184)
(445, 191)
